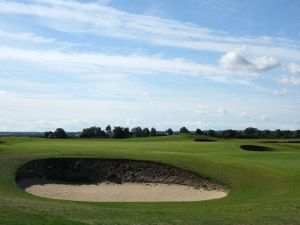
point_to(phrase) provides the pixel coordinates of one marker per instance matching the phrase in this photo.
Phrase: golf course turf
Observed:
(264, 186)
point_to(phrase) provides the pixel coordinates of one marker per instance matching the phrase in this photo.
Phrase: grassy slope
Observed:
(265, 186)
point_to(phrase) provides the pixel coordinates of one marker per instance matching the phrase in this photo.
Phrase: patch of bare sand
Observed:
(126, 192)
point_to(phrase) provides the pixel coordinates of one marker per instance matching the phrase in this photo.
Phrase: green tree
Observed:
(118, 132)
(211, 133)
(266, 133)
(60, 133)
(183, 130)
(297, 133)
(146, 132)
(251, 132)
(108, 130)
(127, 132)
(287, 134)
(137, 132)
(198, 131)
(169, 131)
(229, 133)
(47, 133)
(51, 135)
(153, 132)
(92, 132)
(277, 133)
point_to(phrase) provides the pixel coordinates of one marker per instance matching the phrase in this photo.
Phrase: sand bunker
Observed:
(114, 180)
(126, 192)
(204, 140)
(257, 148)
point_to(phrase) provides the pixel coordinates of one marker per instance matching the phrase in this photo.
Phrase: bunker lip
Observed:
(257, 148)
(45, 177)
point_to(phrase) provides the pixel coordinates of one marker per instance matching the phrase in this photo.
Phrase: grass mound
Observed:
(256, 148)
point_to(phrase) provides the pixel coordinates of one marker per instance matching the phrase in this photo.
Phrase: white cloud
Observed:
(2, 92)
(92, 17)
(289, 80)
(282, 91)
(98, 62)
(236, 61)
(25, 37)
(210, 110)
(293, 68)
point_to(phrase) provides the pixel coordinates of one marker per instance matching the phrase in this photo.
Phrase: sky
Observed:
(208, 64)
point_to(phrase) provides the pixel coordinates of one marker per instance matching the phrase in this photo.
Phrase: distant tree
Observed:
(183, 130)
(127, 132)
(60, 133)
(119, 132)
(229, 133)
(92, 132)
(51, 135)
(169, 131)
(211, 133)
(251, 132)
(146, 132)
(137, 132)
(47, 133)
(266, 133)
(153, 132)
(108, 130)
(297, 133)
(198, 132)
(277, 133)
(287, 134)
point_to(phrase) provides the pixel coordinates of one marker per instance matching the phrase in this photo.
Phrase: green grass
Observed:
(265, 186)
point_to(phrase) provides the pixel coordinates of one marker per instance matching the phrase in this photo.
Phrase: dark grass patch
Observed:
(204, 140)
(257, 148)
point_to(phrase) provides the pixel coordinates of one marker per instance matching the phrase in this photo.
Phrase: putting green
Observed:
(264, 186)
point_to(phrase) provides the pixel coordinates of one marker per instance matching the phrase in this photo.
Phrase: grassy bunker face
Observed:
(257, 148)
(109, 180)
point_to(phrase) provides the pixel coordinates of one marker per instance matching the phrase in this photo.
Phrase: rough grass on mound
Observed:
(92, 171)
(256, 148)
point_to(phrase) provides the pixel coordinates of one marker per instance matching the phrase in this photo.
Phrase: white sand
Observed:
(126, 192)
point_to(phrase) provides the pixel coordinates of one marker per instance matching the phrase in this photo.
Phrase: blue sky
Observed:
(200, 64)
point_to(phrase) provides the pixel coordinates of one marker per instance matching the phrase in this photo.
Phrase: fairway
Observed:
(264, 186)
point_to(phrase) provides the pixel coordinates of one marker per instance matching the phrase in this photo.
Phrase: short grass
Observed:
(265, 186)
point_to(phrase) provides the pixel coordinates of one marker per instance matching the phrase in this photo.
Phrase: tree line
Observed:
(125, 132)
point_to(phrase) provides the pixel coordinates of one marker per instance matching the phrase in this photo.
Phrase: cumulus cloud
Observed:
(236, 61)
